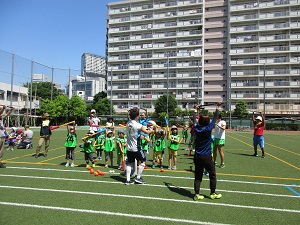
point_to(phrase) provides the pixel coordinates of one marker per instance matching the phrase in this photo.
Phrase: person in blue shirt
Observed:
(143, 117)
(202, 157)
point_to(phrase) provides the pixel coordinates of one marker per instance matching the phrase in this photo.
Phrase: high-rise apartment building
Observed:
(265, 54)
(204, 51)
(93, 65)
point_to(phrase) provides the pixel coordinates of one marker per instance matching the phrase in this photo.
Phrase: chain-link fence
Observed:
(16, 77)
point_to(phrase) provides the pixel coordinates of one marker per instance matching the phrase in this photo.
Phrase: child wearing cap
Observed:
(109, 147)
(173, 146)
(185, 133)
(159, 148)
(88, 148)
(100, 138)
(70, 145)
(121, 148)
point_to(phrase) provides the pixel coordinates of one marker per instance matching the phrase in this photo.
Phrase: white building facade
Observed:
(19, 98)
(265, 54)
(155, 48)
(93, 65)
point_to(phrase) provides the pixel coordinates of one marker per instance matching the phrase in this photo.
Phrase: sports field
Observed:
(255, 190)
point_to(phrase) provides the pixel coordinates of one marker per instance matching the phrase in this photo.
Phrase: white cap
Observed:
(93, 111)
(14, 128)
(259, 118)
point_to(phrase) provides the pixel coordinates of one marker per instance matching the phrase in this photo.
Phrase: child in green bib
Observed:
(109, 147)
(173, 146)
(70, 145)
(121, 143)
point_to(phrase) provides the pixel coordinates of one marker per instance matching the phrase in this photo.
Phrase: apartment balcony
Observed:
(243, 62)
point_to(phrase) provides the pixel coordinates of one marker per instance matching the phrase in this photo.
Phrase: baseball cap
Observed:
(93, 111)
(259, 118)
(174, 127)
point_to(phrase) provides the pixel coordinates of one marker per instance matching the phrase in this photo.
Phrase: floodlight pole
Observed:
(168, 61)
(264, 89)
(139, 87)
(111, 87)
(12, 78)
(52, 82)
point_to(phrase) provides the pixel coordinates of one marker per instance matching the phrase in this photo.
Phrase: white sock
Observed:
(128, 171)
(140, 170)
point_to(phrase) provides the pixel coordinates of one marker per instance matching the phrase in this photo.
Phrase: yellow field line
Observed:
(31, 154)
(52, 158)
(273, 146)
(268, 154)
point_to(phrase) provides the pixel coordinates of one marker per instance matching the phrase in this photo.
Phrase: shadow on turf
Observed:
(178, 190)
(243, 154)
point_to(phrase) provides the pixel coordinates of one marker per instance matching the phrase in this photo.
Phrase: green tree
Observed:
(241, 109)
(61, 104)
(103, 107)
(160, 105)
(98, 97)
(43, 90)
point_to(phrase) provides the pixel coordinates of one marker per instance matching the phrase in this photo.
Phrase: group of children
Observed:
(105, 141)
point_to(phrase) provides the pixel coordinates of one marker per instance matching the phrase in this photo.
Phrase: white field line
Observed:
(109, 213)
(153, 198)
(159, 176)
(149, 185)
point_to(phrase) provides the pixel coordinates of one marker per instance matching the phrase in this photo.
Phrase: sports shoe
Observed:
(139, 181)
(106, 166)
(100, 158)
(129, 182)
(87, 166)
(222, 165)
(255, 154)
(45, 155)
(67, 164)
(216, 163)
(161, 166)
(36, 156)
(72, 165)
(263, 156)
(198, 197)
(169, 168)
(215, 196)
(27, 146)
(153, 166)
(206, 173)
(2, 165)
(174, 168)
(119, 167)
(94, 165)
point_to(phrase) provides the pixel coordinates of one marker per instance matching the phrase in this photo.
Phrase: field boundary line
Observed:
(149, 185)
(154, 198)
(109, 213)
(189, 177)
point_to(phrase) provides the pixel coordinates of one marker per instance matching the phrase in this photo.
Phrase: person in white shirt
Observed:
(134, 151)
(219, 141)
(94, 121)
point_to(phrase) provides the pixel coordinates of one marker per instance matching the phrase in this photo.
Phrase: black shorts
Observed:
(139, 156)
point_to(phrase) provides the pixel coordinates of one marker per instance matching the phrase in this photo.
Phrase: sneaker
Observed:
(27, 146)
(215, 196)
(2, 165)
(36, 156)
(119, 167)
(206, 173)
(139, 181)
(198, 197)
(106, 166)
(222, 165)
(174, 168)
(169, 168)
(129, 182)
(255, 154)
(67, 164)
(94, 165)
(100, 158)
(45, 155)
(153, 166)
(216, 163)
(87, 166)
(161, 166)
(263, 156)
(72, 165)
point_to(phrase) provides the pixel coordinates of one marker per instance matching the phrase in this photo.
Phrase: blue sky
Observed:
(52, 32)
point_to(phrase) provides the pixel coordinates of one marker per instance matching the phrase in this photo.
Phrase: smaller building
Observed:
(19, 97)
